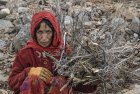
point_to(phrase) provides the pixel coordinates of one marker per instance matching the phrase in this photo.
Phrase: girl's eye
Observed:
(48, 31)
(43, 32)
(39, 32)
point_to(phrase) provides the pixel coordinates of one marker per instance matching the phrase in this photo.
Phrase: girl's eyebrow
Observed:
(39, 31)
(48, 30)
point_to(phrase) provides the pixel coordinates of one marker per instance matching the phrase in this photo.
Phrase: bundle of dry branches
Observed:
(106, 62)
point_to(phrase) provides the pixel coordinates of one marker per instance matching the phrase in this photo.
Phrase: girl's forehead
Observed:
(43, 25)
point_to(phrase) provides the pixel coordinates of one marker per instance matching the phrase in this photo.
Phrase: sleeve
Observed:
(19, 72)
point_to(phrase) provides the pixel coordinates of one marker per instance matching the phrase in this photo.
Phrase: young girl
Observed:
(33, 71)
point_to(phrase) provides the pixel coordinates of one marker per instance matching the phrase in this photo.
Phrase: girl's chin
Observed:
(44, 45)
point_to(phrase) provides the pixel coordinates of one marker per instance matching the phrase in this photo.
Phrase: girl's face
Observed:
(44, 35)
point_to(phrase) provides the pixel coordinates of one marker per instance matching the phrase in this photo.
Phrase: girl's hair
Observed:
(48, 23)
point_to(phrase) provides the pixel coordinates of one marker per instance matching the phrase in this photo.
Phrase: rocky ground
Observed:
(114, 25)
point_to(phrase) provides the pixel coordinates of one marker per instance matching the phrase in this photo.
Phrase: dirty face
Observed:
(44, 35)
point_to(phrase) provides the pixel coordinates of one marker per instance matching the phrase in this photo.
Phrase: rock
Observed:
(104, 20)
(10, 17)
(14, 30)
(75, 9)
(88, 9)
(137, 72)
(23, 10)
(4, 12)
(134, 90)
(108, 86)
(78, 2)
(1, 56)
(129, 31)
(102, 37)
(88, 24)
(2, 43)
(128, 14)
(88, 6)
(135, 38)
(138, 15)
(135, 25)
(21, 4)
(69, 3)
(2, 91)
(99, 23)
(3, 2)
(64, 7)
(4, 24)
(78, 11)
(68, 20)
(25, 18)
(135, 35)
(21, 38)
(83, 17)
(136, 61)
(2, 76)
(118, 23)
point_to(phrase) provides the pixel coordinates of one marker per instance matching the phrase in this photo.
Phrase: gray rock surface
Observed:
(23, 9)
(4, 24)
(137, 72)
(3, 1)
(135, 25)
(4, 12)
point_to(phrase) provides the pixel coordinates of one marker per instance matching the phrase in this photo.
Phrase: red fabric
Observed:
(32, 55)
(33, 85)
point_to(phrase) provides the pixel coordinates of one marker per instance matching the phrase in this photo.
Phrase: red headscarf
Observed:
(57, 41)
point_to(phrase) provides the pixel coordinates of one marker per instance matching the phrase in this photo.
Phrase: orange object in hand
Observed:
(41, 72)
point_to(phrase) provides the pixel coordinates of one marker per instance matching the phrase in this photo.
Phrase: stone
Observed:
(118, 22)
(75, 9)
(4, 24)
(108, 86)
(136, 61)
(21, 38)
(104, 20)
(69, 3)
(10, 17)
(135, 25)
(137, 72)
(2, 76)
(2, 91)
(88, 24)
(68, 20)
(23, 10)
(1, 56)
(26, 18)
(138, 13)
(78, 2)
(135, 35)
(3, 2)
(134, 90)
(4, 12)
(21, 4)
(129, 31)
(99, 23)
(88, 9)
(2, 43)
(128, 14)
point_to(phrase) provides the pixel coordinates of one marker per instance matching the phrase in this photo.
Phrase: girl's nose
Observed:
(44, 36)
